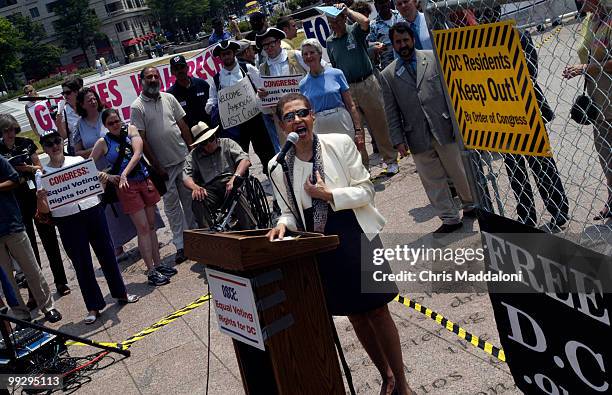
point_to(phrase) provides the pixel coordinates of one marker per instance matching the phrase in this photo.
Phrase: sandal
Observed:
(90, 319)
(129, 298)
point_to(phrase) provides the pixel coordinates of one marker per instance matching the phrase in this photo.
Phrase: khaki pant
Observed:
(367, 95)
(435, 167)
(17, 245)
(338, 120)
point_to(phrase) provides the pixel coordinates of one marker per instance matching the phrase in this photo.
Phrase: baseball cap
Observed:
(178, 60)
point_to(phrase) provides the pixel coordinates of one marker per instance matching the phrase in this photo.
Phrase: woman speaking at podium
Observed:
(334, 195)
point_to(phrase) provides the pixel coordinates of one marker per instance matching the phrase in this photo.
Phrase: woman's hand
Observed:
(41, 193)
(318, 190)
(261, 92)
(25, 168)
(277, 232)
(105, 178)
(574, 70)
(123, 182)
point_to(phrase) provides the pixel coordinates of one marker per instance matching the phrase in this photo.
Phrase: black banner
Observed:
(555, 343)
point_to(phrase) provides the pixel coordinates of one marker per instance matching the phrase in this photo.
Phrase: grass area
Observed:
(46, 83)
(34, 137)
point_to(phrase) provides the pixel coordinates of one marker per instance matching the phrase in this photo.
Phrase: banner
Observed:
(278, 87)
(72, 184)
(237, 103)
(121, 90)
(491, 89)
(554, 342)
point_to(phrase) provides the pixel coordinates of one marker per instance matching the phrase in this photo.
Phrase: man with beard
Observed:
(348, 51)
(254, 130)
(191, 92)
(417, 113)
(160, 121)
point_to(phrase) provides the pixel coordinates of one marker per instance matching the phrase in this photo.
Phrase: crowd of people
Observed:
(382, 76)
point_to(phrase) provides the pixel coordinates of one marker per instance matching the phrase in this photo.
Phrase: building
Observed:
(126, 25)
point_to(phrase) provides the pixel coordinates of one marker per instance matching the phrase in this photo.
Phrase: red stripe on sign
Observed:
(228, 280)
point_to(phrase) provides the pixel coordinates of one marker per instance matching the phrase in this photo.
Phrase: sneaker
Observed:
(157, 279)
(392, 169)
(448, 228)
(180, 256)
(166, 270)
(53, 315)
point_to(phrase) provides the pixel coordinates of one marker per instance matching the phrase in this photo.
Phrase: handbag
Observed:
(583, 110)
(110, 191)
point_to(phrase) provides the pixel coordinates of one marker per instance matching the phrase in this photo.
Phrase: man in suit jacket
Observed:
(417, 113)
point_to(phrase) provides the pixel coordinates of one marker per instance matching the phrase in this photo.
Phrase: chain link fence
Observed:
(570, 193)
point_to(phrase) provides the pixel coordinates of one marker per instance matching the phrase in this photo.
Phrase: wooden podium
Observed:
(300, 357)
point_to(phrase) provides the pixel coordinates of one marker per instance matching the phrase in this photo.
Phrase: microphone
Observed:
(292, 139)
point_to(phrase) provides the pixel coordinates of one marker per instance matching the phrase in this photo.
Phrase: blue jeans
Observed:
(269, 121)
(7, 288)
(77, 232)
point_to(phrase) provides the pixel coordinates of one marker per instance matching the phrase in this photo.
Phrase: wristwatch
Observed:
(237, 175)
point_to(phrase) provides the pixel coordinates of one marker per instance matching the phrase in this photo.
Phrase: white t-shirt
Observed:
(75, 207)
(73, 117)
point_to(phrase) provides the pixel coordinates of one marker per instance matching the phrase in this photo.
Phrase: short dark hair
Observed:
(283, 22)
(142, 72)
(400, 27)
(288, 98)
(362, 7)
(81, 99)
(107, 113)
(73, 82)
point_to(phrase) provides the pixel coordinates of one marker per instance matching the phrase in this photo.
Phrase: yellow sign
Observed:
(490, 87)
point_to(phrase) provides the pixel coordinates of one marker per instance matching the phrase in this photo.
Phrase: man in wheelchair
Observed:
(214, 171)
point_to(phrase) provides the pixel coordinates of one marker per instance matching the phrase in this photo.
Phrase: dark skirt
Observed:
(341, 269)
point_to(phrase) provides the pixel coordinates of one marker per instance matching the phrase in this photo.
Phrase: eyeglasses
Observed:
(15, 129)
(51, 143)
(113, 123)
(66, 93)
(290, 116)
(268, 44)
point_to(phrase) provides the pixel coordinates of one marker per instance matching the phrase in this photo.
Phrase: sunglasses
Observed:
(15, 129)
(66, 93)
(51, 143)
(290, 116)
(268, 44)
(113, 123)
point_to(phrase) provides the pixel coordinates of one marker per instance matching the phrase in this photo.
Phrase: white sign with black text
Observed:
(235, 307)
(238, 103)
(72, 184)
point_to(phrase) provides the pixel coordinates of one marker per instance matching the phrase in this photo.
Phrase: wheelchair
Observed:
(247, 194)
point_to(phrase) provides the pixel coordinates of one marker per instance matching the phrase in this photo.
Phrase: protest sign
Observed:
(278, 87)
(235, 307)
(317, 27)
(72, 183)
(555, 342)
(491, 89)
(237, 103)
(119, 91)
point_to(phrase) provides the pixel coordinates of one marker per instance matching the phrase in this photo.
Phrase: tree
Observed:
(179, 14)
(10, 43)
(77, 25)
(38, 60)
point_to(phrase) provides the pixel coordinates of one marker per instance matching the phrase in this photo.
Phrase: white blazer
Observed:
(346, 177)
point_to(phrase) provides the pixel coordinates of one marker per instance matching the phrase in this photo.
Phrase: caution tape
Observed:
(549, 37)
(456, 329)
(124, 345)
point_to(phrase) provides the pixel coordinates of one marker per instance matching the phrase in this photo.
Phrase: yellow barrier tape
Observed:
(549, 37)
(452, 327)
(124, 345)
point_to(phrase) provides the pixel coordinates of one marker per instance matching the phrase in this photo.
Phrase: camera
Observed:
(53, 111)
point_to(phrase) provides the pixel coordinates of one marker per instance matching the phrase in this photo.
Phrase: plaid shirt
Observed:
(379, 32)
